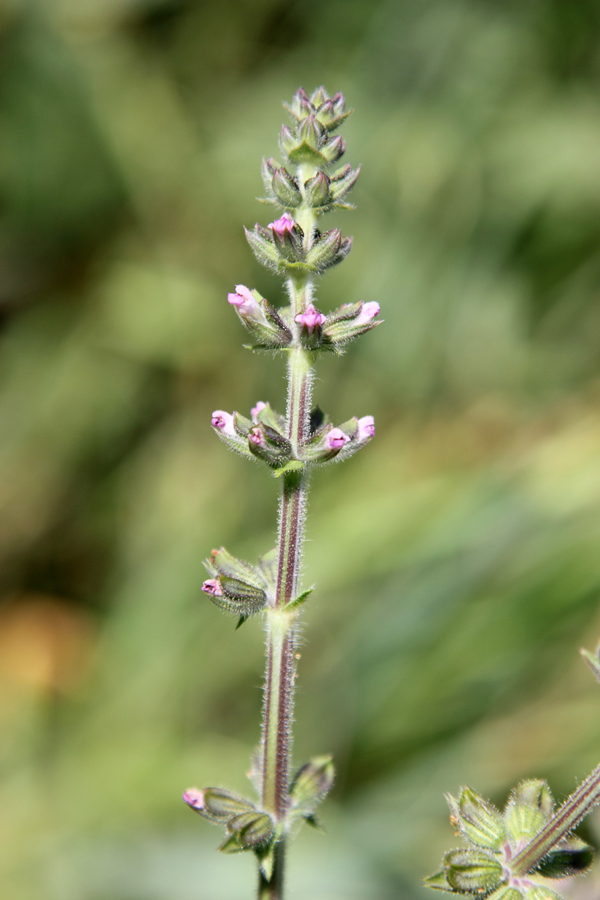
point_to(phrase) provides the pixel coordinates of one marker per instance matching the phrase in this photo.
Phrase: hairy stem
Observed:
(272, 888)
(573, 810)
(280, 672)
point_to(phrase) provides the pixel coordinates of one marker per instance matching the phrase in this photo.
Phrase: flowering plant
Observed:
(304, 188)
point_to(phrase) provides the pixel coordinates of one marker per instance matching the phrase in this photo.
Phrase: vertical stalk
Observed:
(279, 678)
(560, 825)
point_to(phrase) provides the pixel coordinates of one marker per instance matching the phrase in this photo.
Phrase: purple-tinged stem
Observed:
(280, 668)
(573, 810)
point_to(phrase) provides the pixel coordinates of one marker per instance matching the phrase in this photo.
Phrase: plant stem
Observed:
(280, 669)
(272, 888)
(573, 810)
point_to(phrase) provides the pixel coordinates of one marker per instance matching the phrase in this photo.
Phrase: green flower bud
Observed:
(476, 819)
(220, 805)
(473, 871)
(251, 828)
(310, 132)
(506, 893)
(261, 244)
(342, 182)
(541, 892)
(311, 785)
(333, 149)
(300, 105)
(324, 249)
(317, 191)
(529, 808)
(285, 188)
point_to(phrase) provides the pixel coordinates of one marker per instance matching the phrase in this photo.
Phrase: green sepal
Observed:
(266, 860)
(241, 621)
(541, 892)
(315, 823)
(220, 805)
(528, 809)
(244, 593)
(310, 786)
(272, 419)
(506, 893)
(438, 882)
(223, 563)
(473, 871)
(300, 599)
(267, 563)
(570, 857)
(476, 819)
(231, 844)
(253, 828)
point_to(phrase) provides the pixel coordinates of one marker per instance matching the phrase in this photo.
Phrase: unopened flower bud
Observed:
(333, 149)
(223, 422)
(328, 249)
(287, 141)
(317, 190)
(285, 189)
(194, 798)
(319, 96)
(283, 225)
(257, 437)
(473, 871)
(341, 183)
(310, 132)
(311, 318)
(311, 785)
(213, 587)
(256, 409)
(336, 439)
(366, 428)
(367, 313)
(300, 105)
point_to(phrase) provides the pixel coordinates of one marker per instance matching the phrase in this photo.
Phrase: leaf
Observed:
(299, 600)
(294, 465)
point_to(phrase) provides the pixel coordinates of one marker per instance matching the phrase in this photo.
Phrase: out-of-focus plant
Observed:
(513, 856)
(291, 446)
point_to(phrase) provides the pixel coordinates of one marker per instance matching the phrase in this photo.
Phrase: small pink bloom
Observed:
(366, 428)
(257, 437)
(213, 587)
(310, 318)
(367, 313)
(336, 439)
(256, 409)
(194, 798)
(282, 225)
(223, 421)
(243, 300)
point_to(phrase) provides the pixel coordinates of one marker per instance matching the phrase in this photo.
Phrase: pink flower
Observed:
(310, 318)
(213, 587)
(366, 428)
(367, 313)
(223, 421)
(257, 437)
(194, 798)
(243, 300)
(256, 409)
(282, 225)
(336, 439)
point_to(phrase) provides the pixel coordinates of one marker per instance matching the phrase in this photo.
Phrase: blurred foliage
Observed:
(457, 559)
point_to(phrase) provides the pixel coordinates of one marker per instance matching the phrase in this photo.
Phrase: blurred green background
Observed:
(457, 558)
